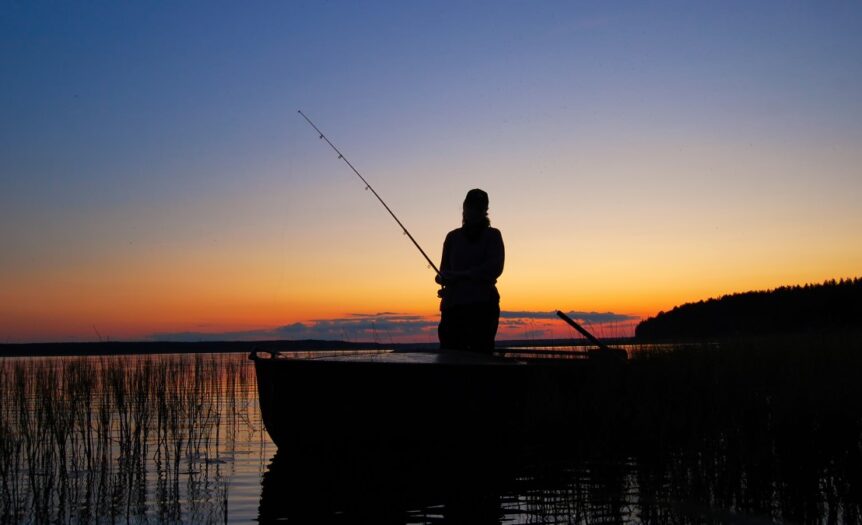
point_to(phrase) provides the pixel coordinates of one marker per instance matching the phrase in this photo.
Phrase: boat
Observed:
(392, 398)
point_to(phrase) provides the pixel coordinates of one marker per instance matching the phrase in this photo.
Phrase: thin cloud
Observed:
(383, 327)
(587, 317)
(386, 327)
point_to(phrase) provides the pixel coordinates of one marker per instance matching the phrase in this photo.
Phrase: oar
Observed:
(590, 337)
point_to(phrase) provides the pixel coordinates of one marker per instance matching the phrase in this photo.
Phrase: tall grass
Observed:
(95, 439)
(770, 425)
(769, 428)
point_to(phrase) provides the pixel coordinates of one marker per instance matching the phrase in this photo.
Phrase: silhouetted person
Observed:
(472, 261)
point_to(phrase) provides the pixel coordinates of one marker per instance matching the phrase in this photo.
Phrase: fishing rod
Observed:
(368, 187)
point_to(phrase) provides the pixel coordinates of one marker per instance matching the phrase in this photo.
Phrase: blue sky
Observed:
(154, 139)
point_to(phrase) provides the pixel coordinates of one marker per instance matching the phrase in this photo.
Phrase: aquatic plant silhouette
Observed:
(100, 439)
(758, 430)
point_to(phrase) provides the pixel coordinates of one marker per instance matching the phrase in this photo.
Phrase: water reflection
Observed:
(405, 487)
(396, 487)
(154, 438)
(690, 438)
(412, 488)
(693, 437)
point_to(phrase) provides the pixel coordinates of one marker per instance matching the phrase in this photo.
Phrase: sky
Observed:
(156, 181)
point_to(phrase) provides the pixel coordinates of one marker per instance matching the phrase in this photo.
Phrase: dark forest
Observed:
(830, 306)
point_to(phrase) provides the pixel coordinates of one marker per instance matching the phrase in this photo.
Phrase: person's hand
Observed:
(448, 277)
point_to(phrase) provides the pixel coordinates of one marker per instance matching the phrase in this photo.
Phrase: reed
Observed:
(90, 439)
(770, 425)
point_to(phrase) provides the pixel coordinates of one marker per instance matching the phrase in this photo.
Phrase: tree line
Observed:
(832, 305)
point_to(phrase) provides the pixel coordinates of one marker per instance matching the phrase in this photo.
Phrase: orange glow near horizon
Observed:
(142, 302)
(253, 284)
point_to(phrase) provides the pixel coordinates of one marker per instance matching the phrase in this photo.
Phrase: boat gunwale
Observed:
(332, 361)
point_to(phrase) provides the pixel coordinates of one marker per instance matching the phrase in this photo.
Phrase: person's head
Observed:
(476, 208)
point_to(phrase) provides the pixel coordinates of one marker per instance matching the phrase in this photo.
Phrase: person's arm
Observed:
(445, 265)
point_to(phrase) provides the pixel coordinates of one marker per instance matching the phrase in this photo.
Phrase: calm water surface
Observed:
(179, 439)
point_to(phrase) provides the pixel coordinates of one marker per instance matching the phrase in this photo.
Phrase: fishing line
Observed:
(341, 156)
(368, 187)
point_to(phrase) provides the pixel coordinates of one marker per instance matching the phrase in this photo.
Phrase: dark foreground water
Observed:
(179, 439)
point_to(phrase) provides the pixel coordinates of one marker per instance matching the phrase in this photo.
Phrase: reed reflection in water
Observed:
(132, 438)
(754, 434)
(744, 432)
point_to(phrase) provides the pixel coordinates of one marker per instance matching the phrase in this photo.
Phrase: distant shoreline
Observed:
(213, 347)
(831, 306)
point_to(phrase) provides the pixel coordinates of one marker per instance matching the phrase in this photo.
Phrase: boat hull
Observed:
(419, 399)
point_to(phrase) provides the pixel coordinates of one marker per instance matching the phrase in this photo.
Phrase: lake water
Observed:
(179, 439)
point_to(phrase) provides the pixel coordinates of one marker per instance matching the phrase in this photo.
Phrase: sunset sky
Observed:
(156, 181)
